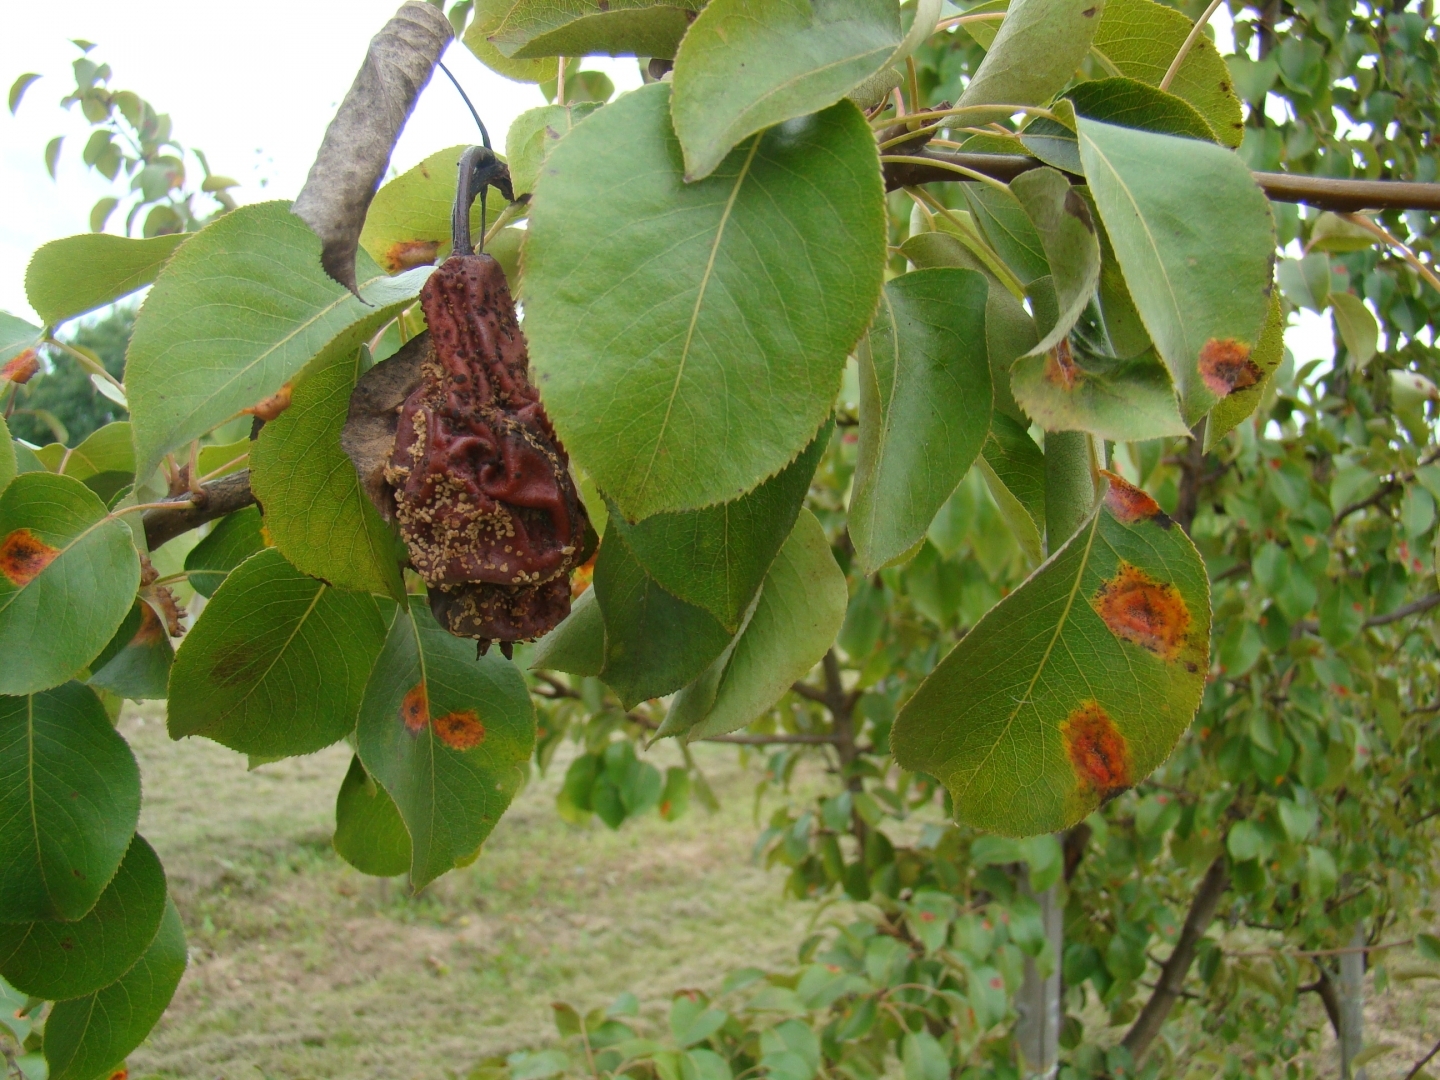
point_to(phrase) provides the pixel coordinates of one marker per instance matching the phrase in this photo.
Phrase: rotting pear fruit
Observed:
(452, 443)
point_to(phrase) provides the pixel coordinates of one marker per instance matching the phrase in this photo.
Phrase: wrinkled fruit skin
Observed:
(482, 486)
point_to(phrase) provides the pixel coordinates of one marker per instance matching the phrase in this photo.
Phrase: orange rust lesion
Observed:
(415, 708)
(1145, 612)
(460, 730)
(408, 254)
(1129, 504)
(1060, 367)
(1226, 366)
(23, 556)
(150, 631)
(584, 575)
(1097, 751)
(269, 408)
(20, 368)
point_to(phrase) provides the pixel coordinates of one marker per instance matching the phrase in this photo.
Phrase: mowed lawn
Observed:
(303, 967)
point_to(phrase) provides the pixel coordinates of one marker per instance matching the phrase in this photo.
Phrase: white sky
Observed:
(253, 85)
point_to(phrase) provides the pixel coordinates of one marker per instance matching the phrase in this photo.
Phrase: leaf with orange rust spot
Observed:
(415, 709)
(1193, 235)
(136, 663)
(1120, 400)
(1243, 400)
(20, 368)
(452, 779)
(23, 555)
(1076, 685)
(460, 730)
(269, 408)
(68, 575)
(408, 223)
(276, 663)
(17, 339)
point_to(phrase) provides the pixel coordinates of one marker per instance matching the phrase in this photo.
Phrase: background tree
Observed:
(978, 555)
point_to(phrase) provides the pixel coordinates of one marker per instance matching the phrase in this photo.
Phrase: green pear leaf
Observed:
(1076, 685)
(577, 645)
(68, 575)
(746, 65)
(215, 335)
(447, 734)
(795, 619)
(715, 558)
(69, 277)
(369, 832)
(533, 28)
(233, 539)
(925, 404)
(655, 642)
(58, 960)
(69, 801)
(1177, 211)
(136, 663)
(1140, 39)
(277, 662)
(689, 338)
(88, 1037)
(1034, 54)
(316, 512)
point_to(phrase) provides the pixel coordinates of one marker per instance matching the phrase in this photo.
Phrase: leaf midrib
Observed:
(1049, 648)
(695, 313)
(1149, 236)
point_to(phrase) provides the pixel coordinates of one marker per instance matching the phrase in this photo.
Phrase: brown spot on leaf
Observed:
(149, 632)
(1097, 750)
(415, 709)
(235, 664)
(1128, 504)
(269, 408)
(23, 555)
(1078, 208)
(1144, 612)
(407, 254)
(460, 730)
(20, 368)
(1060, 366)
(1226, 366)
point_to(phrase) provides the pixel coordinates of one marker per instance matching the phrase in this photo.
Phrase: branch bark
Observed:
(1172, 974)
(1323, 192)
(221, 497)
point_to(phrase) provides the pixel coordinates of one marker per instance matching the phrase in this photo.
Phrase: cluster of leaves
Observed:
(985, 550)
(130, 139)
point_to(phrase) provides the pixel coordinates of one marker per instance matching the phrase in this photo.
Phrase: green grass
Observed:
(302, 967)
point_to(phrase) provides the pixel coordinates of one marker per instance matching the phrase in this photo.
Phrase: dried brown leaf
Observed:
(357, 145)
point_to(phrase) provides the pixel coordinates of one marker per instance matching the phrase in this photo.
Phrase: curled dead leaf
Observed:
(357, 146)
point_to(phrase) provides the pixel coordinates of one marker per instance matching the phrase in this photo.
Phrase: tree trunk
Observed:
(1037, 1035)
(1352, 1005)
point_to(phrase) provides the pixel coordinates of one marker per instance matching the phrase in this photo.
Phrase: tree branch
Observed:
(1323, 192)
(1415, 607)
(1415, 1070)
(221, 497)
(1171, 985)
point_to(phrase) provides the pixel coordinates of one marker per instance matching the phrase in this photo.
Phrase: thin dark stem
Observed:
(1171, 985)
(1191, 476)
(484, 135)
(1415, 1069)
(1323, 192)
